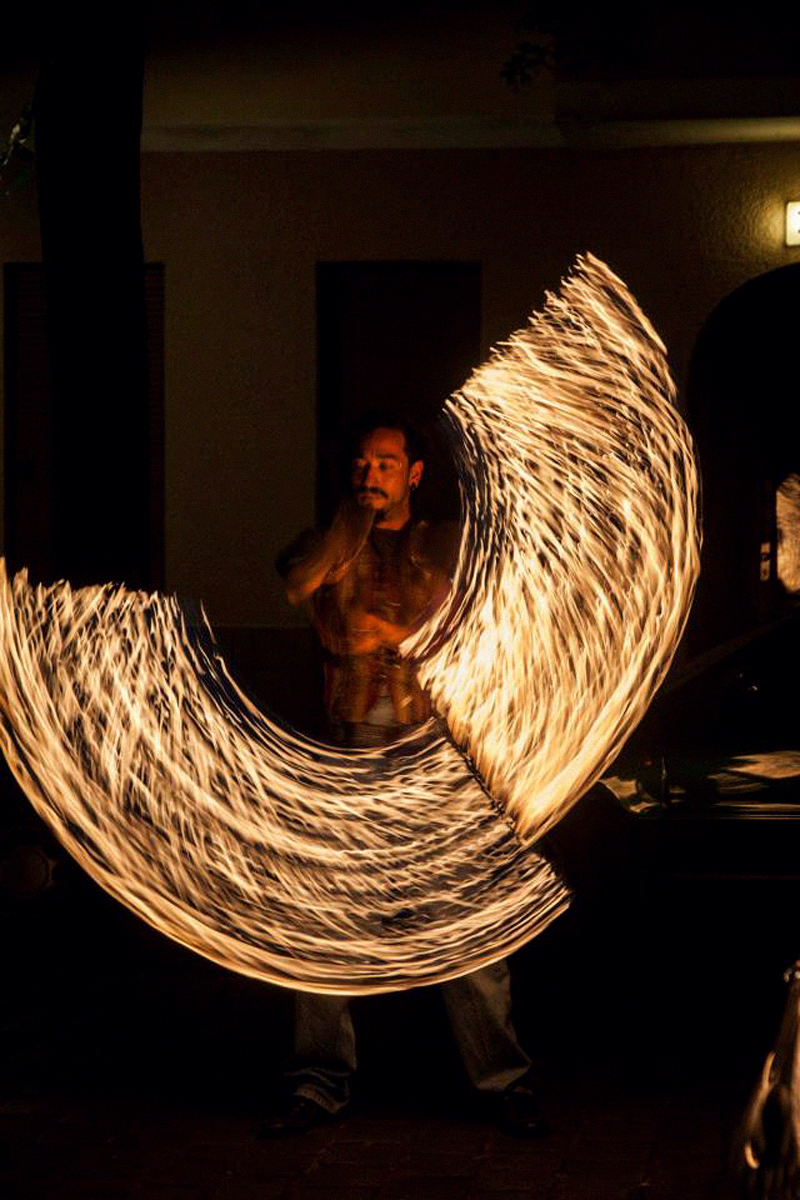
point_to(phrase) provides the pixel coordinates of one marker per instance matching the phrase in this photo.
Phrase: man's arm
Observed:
(326, 559)
(307, 574)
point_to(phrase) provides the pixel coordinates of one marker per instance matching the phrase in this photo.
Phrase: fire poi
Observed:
(372, 870)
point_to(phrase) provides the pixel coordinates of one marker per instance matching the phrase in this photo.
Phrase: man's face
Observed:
(383, 478)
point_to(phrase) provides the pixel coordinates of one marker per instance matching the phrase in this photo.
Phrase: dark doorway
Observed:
(400, 336)
(29, 474)
(744, 411)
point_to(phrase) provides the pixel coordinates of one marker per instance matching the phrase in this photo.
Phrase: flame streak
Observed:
(580, 550)
(368, 871)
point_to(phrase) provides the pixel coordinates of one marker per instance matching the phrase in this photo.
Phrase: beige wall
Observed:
(240, 235)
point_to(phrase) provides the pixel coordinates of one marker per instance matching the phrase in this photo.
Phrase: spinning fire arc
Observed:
(373, 870)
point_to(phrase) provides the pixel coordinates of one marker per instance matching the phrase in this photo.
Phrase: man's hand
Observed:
(367, 632)
(349, 530)
(332, 556)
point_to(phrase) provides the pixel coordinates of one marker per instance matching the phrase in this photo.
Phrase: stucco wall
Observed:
(240, 235)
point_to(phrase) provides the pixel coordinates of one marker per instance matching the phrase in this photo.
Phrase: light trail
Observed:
(580, 551)
(366, 871)
(787, 520)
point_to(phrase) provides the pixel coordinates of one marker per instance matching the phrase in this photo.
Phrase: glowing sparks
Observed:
(370, 870)
(272, 855)
(580, 549)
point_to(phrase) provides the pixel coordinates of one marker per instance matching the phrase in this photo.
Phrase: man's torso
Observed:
(395, 576)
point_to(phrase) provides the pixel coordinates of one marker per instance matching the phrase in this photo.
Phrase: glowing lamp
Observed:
(793, 223)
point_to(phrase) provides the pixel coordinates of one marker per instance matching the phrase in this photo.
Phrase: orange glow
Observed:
(368, 871)
(580, 550)
(787, 519)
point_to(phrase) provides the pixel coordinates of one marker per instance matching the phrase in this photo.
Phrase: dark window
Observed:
(28, 475)
(400, 336)
(744, 411)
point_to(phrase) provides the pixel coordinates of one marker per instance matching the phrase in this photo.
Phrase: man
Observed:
(369, 579)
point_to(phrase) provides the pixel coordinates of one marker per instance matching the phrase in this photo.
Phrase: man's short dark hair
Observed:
(389, 419)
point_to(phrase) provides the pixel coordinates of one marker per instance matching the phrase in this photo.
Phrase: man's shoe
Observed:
(517, 1111)
(299, 1116)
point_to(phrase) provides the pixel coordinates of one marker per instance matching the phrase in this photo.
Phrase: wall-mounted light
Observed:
(793, 223)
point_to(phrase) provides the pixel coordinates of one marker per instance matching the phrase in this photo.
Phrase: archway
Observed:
(744, 411)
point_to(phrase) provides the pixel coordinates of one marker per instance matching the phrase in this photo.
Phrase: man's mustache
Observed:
(372, 492)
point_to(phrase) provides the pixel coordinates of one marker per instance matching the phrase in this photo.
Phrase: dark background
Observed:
(301, 272)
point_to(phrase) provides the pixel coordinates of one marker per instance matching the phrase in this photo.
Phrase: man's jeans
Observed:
(478, 1005)
(479, 1008)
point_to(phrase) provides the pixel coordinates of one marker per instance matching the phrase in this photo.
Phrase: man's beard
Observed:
(373, 496)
